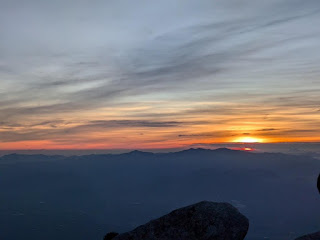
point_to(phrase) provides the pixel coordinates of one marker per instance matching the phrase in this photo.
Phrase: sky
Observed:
(158, 74)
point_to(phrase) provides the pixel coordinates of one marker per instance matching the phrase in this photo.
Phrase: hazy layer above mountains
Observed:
(310, 149)
(83, 197)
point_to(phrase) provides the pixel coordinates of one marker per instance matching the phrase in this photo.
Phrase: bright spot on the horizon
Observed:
(248, 140)
(248, 149)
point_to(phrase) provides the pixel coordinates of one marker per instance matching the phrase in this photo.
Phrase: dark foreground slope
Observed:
(200, 221)
(55, 197)
(312, 236)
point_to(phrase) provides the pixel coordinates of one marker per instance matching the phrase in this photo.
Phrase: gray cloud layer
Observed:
(59, 57)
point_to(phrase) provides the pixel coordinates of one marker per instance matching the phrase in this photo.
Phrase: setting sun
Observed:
(248, 140)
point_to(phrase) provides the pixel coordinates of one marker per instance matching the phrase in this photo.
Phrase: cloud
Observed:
(216, 64)
(133, 123)
(59, 129)
(267, 129)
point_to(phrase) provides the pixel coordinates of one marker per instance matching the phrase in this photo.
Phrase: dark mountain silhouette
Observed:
(318, 184)
(201, 221)
(312, 236)
(81, 197)
(315, 235)
(110, 235)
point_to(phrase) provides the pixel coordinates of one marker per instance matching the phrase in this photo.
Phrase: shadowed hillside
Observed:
(81, 197)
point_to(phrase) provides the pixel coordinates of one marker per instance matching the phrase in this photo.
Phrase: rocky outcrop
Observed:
(110, 235)
(318, 184)
(313, 236)
(316, 235)
(201, 221)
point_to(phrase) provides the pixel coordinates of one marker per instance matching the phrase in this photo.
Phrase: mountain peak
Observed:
(137, 152)
(223, 150)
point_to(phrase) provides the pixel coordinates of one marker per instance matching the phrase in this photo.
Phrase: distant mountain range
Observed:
(83, 197)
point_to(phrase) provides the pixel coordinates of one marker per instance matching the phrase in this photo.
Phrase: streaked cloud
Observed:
(167, 72)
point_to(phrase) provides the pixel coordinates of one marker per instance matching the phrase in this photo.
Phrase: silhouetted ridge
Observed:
(318, 184)
(193, 151)
(137, 153)
(312, 236)
(201, 221)
(190, 151)
(225, 150)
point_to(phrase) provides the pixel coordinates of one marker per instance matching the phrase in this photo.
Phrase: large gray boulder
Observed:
(312, 236)
(201, 221)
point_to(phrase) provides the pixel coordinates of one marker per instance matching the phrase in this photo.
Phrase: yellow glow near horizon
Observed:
(248, 140)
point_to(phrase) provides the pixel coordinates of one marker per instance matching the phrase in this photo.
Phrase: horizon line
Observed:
(161, 148)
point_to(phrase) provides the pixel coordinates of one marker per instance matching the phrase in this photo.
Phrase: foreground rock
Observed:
(110, 235)
(201, 221)
(318, 183)
(313, 236)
